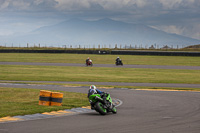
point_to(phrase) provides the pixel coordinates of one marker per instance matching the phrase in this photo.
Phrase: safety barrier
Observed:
(56, 98)
(48, 98)
(159, 53)
(114, 52)
(45, 97)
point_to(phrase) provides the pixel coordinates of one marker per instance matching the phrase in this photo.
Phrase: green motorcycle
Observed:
(102, 103)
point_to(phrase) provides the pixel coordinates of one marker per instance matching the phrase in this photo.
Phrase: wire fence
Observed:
(116, 46)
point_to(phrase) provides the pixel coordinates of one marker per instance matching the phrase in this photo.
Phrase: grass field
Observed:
(94, 74)
(19, 101)
(100, 59)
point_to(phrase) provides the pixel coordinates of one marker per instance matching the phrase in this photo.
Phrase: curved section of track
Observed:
(141, 111)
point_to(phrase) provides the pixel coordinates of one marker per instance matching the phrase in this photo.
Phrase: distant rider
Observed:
(118, 59)
(88, 60)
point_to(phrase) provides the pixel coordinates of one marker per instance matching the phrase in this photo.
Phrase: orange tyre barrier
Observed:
(45, 98)
(56, 98)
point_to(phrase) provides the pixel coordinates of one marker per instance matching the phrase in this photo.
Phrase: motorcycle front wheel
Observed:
(114, 110)
(100, 109)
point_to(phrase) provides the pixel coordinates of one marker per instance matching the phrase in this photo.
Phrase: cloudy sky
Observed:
(174, 16)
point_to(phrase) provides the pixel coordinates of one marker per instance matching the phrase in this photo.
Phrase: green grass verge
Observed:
(100, 59)
(20, 101)
(93, 74)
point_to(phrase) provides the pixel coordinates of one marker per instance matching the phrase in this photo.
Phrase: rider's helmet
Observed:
(93, 89)
(118, 57)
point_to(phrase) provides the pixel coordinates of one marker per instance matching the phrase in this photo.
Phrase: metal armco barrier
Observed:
(160, 53)
(48, 98)
(114, 52)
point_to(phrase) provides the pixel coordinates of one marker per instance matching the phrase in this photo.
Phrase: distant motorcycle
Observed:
(119, 62)
(89, 63)
(101, 106)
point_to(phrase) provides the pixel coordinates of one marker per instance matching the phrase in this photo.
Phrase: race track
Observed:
(102, 65)
(141, 112)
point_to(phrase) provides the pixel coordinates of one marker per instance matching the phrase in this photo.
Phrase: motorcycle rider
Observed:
(94, 90)
(118, 60)
(88, 60)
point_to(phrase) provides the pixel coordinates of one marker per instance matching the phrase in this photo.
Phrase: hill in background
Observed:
(103, 32)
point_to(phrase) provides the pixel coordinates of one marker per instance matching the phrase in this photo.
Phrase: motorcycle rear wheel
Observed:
(100, 109)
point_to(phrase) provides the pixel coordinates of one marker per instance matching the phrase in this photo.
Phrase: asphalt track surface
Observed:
(117, 84)
(141, 112)
(103, 65)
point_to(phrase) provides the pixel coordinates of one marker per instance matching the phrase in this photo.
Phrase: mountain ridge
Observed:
(104, 31)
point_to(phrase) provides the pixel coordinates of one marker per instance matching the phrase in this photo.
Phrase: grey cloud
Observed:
(152, 8)
(157, 13)
(27, 5)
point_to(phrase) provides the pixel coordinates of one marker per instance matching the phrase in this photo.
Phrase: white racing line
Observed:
(117, 102)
